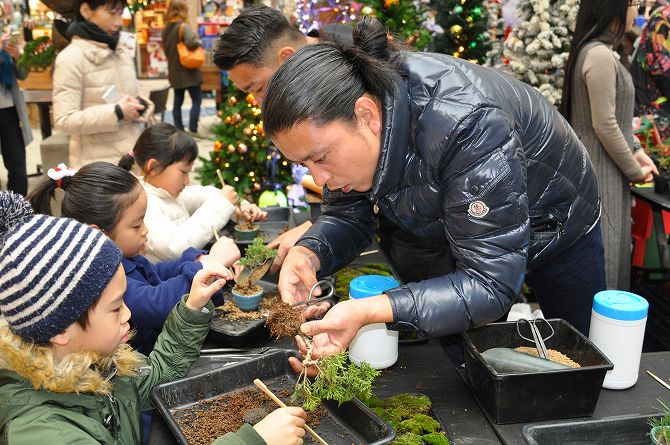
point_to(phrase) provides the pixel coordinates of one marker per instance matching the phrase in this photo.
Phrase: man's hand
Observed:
(298, 275)
(285, 242)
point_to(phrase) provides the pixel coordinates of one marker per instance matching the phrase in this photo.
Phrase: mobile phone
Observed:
(111, 95)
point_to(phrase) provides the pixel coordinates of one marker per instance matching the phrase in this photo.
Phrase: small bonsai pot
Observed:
(247, 300)
(246, 231)
(662, 184)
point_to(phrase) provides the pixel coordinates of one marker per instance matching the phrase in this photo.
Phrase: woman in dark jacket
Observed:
(182, 79)
(453, 152)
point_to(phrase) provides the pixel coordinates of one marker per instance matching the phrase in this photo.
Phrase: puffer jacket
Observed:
(84, 71)
(87, 399)
(474, 157)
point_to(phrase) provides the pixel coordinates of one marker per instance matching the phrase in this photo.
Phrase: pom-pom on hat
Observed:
(52, 270)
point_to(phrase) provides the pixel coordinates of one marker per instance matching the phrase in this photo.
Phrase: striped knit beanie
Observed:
(52, 270)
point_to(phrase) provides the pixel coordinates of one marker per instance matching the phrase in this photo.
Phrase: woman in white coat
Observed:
(96, 96)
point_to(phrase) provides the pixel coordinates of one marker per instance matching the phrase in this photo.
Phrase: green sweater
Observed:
(92, 400)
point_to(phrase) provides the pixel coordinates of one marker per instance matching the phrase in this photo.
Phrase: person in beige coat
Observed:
(103, 124)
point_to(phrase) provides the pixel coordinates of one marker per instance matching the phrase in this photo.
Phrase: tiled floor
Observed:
(207, 119)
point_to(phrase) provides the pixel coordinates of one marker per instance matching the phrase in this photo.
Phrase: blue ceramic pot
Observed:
(247, 302)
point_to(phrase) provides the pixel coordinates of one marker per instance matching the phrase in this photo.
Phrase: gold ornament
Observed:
(219, 113)
(247, 131)
(242, 148)
(257, 187)
(237, 117)
(367, 10)
(217, 160)
(251, 100)
(232, 100)
(389, 3)
(217, 145)
(228, 120)
(230, 148)
(456, 29)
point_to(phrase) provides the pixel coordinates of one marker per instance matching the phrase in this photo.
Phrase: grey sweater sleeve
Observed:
(599, 73)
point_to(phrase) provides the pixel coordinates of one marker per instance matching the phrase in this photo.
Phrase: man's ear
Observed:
(96, 227)
(368, 113)
(285, 52)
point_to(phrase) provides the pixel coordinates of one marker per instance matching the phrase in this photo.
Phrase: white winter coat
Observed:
(187, 221)
(84, 71)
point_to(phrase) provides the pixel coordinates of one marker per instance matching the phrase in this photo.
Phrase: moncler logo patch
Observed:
(477, 209)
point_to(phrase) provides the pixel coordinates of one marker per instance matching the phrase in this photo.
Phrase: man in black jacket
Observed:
(453, 152)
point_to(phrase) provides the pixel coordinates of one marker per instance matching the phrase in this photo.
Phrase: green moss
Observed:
(435, 438)
(408, 439)
(346, 274)
(373, 401)
(406, 405)
(419, 424)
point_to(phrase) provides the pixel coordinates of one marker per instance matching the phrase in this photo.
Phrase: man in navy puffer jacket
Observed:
(452, 152)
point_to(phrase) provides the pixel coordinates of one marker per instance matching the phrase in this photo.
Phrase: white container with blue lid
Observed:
(374, 343)
(618, 321)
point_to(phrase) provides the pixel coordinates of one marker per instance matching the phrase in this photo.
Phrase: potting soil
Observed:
(284, 320)
(209, 419)
(553, 355)
(232, 312)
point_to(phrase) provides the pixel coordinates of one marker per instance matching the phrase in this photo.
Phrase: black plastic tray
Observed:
(628, 430)
(527, 397)
(237, 333)
(349, 423)
(278, 222)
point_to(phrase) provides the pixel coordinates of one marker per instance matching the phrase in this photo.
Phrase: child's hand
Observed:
(250, 212)
(225, 251)
(205, 284)
(283, 426)
(230, 194)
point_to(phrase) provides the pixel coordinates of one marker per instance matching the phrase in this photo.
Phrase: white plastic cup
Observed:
(374, 343)
(618, 320)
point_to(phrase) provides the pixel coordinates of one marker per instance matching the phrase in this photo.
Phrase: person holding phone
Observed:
(96, 95)
(15, 131)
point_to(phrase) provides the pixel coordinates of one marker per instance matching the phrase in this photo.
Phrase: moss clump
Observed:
(406, 405)
(346, 274)
(419, 424)
(435, 438)
(407, 414)
(408, 439)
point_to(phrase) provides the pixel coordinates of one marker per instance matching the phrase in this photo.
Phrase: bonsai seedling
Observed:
(337, 379)
(256, 261)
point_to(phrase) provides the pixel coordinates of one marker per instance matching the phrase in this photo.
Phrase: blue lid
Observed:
(620, 305)
(370, 285)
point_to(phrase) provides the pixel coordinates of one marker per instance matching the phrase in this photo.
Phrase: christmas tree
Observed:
(467, 25)
(242, 152)
(538, 47)
(310, 14)
(412, 20)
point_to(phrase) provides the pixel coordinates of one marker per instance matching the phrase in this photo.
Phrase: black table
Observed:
(638, 400)
(43, 100)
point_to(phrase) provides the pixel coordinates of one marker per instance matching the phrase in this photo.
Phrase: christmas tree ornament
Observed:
(367, 10)
(230, 148)
(232, 100)
(242, 148)
(217, 145)
(247, 131)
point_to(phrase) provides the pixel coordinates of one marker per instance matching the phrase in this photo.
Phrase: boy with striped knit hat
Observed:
(66, 374)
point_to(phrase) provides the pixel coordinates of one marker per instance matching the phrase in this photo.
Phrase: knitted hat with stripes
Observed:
(52, 270)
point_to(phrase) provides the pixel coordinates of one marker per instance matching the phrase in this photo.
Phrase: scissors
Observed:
(329, 282)
(537, 336)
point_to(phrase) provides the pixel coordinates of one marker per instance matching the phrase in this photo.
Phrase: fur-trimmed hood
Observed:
(76, 373)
